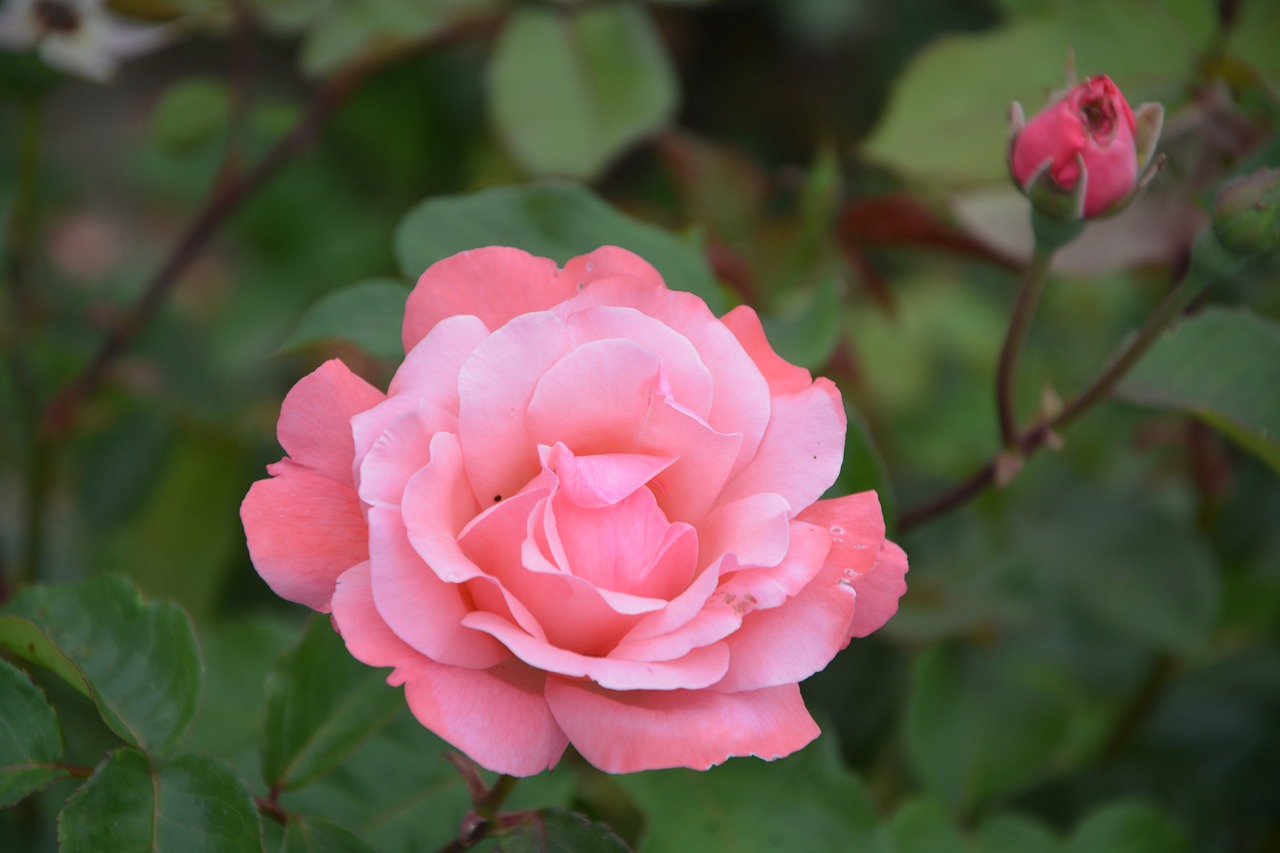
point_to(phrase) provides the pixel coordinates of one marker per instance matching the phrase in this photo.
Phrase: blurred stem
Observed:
(1209, 261)
(483, 818)
(19, 239)
(1024, 309)
(224, 200)
(1140, 708)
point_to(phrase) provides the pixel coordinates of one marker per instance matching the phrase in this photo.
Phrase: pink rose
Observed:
(1092, 124)
(586, 511)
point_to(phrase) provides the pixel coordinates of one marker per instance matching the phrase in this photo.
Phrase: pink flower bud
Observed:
(1091, 125)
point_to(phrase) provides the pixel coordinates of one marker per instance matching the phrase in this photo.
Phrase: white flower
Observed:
(78, 36)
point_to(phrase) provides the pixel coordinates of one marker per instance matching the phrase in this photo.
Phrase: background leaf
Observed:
(316, 835)
(570, 90)
(137, 661)
(189, 805)
(552, 219)
(558, 831)
(1129, 828)
(321, 703)
(368, 313)
(30, 737)
(734, 807)
(1223, 366)
(981, 725)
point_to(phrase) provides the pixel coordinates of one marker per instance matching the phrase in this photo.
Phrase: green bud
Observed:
(1246, 213)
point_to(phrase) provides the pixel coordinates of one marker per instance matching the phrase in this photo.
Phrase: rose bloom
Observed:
(1092, 122)
(585, 512)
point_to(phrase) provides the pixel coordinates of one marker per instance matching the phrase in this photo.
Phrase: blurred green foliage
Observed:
(1086, 661)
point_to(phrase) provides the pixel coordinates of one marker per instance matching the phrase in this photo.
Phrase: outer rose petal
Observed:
(879, 590)
(315, 419)
(783, 376)
(803, 447)
(370, 641)
(877, 574)
(497, 284)
(625, 732)
(496, 716)
(303, 530)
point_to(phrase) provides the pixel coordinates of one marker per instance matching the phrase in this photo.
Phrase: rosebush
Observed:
(585, 512)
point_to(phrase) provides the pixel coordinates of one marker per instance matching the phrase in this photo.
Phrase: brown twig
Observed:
(224, 200)
(1028, 442)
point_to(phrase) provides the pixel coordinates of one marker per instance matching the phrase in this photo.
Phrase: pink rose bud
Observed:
(1080, 157)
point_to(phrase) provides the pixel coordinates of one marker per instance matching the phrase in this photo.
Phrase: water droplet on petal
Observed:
(837, 529)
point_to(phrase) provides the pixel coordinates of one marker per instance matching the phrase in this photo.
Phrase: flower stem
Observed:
(1209, 262)
(17, 330)
(1024, 309)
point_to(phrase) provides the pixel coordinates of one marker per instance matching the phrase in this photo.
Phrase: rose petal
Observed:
(603, 479)
(303, 530)
(643, 730)
(783, 376)
(431, 368)
(370, 641)
(497, 716)
(700, 668)
(802, 449)
(755, 529)
(690, 381)
(418, 606)
(315, 419)
(879, 590)
(495, 385)
(494, 284)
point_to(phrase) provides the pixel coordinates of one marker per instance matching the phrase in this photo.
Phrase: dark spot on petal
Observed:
(497, 498)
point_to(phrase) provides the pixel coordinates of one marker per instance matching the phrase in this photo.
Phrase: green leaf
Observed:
(316, 835)
(1146, 574)
(190, 805)
(921, 826)
(550, 219)
(735, 807)
(559, 831)
(983, 723)
(321, 704)
(570, 90)
(346, 32)
(238, 654)
(1007, 833)
(199, 478)
(809, 331)
(1129, 828)
(396, 790)
(137, 661)
(190, 113)
(368, 314)
(947, 119)
(1222, 365)
(30, 737)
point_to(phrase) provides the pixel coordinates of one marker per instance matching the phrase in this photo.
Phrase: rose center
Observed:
(1099, 117)
(56, 16)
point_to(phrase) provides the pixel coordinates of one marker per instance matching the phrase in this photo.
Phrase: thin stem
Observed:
(1200, 273)
(269, 808)
(488, 805)
(20, 237)
(224, 201)
(1024, 310)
